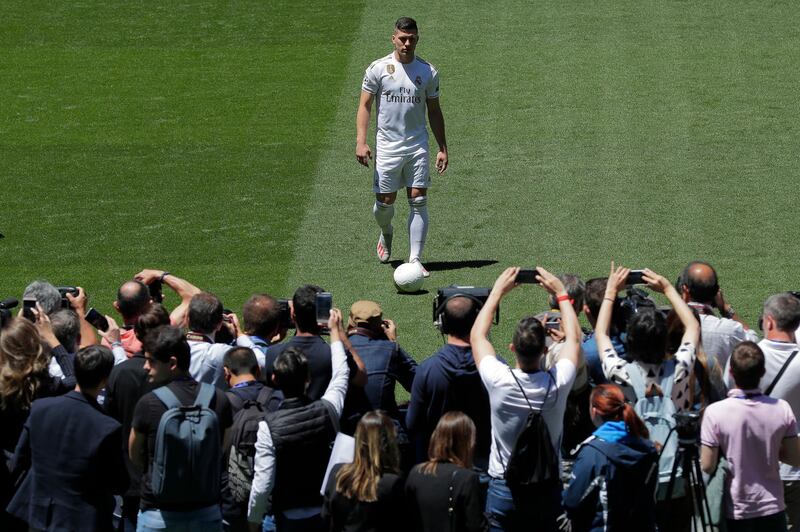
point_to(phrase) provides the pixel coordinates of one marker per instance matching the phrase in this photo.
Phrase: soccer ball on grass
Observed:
(408, 277)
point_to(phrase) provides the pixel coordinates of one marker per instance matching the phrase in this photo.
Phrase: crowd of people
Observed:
(287, 420)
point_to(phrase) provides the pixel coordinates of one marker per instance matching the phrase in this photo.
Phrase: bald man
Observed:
(699, 287)
(133, 298)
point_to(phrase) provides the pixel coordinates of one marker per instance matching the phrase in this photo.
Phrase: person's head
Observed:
(647, 336)
(529, 343)
(46, 294)
(93, 365)
(376, 453)
(576, 290)
(607, 403)
(698, 282)
(67, 328)
(781, 314)
(290, 372)
(453, 440)
(676, 329)
(23, 360)
(261, 314)
(459, 316)
(205, 313)
(153, 316)
(304, 308)
(166, 354)
(593, 297)
(133, 297)
(747, 365)
(405, 38)
(240, 364)
(366, 315)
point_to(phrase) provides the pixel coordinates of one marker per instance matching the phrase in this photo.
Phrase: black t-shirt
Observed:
(147, 416)
(350, 515)
(126, 385)
(318, 354)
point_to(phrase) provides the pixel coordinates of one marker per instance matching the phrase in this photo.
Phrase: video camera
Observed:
(635, 301)
(443, 295)
(64, 290)
(5, 310)
(687, 425)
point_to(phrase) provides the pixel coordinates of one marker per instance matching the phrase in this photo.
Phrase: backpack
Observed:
(188, 450)
(244, 433)
(533, 464)
(658, 414)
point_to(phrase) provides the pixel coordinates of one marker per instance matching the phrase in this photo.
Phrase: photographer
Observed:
(184, 289)
(133, 298)
(752, 431)
(261, 315)
(51, 299)
(650, 374)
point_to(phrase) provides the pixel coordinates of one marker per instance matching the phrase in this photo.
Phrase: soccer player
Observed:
(403, 86)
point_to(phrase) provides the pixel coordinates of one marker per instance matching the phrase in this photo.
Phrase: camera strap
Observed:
(780, 373)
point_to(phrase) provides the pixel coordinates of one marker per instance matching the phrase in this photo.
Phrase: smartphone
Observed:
(97, 320)
(155, 292)
(285, 314)
(527, 277)
(28, 307)
(635, 277)
(324, 304)
(552, 324)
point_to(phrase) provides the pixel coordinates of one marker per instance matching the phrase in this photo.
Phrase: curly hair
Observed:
(23, 363)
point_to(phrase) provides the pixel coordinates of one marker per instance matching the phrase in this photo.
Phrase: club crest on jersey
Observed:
(390, 69)
(418, 81)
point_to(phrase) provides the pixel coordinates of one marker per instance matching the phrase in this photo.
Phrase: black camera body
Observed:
(64, 290)
(285, 312)
(443, 295)
(5, 310)
(687, 425)
(635, 301)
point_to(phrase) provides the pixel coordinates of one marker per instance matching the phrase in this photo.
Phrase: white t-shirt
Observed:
(510, 410)
(401, 93)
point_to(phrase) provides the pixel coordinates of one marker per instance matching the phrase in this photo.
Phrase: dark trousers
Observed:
(771, 523)
(312, 524)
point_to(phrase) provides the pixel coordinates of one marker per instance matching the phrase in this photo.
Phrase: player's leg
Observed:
(417, 183)
(388, 174)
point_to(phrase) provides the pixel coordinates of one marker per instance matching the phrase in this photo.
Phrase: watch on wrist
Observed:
(729, 313)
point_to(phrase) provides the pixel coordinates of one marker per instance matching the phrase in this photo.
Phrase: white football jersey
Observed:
(400, 93)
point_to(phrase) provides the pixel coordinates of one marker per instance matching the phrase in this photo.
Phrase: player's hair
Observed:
(261, 314)
(304, 305)
(241, 361)
(406, 24)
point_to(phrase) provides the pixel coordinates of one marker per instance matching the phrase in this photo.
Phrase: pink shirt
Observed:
(130, 343)
(748, 429)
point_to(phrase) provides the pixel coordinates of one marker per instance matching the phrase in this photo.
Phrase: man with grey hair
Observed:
(67, 328)
(780, 319)
(45, 294)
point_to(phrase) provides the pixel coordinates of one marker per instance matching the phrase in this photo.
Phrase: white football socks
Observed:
(417, 225)
(383, 215)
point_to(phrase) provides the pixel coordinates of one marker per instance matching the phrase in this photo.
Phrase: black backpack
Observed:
(244, 432)
(533, 464)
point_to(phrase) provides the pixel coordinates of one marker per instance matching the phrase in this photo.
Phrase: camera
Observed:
(687, 425)
(64, 290)
(155, 291)
(285, 315)
(443, 295)
(5, 310)
(635, 301)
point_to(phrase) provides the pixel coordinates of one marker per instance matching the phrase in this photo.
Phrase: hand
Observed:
(45, 327)
(279, 336)
(556, 334)
(506, 282)
(389, 329)
(78, 302)
(112, 334)
(550, 282)
(335, 326)
(656, 282)
(363, 154)
(617, 279)
(441, 161)
(720, 303)
(148, 276)
(231, 322)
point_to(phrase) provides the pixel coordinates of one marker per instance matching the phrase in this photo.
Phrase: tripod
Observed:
(687, 458)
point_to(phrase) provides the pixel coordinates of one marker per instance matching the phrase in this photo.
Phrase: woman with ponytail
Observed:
(616, 471)
(367, 494)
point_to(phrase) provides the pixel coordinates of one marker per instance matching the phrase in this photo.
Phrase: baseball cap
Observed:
(366, 312)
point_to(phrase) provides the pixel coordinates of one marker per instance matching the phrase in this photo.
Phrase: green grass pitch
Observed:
(216, 140)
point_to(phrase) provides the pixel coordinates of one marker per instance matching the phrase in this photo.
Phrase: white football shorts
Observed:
(393, 172)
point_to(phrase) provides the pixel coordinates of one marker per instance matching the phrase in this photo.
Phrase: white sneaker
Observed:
(425, 273)
(384, 248)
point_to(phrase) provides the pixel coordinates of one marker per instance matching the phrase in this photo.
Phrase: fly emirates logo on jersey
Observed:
(404, 95)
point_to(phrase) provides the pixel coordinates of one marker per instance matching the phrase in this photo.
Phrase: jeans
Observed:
(771, 523)
(207, 519)
(512, 512)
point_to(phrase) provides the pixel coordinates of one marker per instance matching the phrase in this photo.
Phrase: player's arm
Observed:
(436, 120)
(363, 152)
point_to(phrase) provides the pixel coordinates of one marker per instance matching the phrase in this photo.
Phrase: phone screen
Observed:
(527, 277)
(97, 320)
(635, 277)
(324, 305)
(28, 306)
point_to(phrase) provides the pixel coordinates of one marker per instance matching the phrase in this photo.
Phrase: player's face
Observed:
(404, 44)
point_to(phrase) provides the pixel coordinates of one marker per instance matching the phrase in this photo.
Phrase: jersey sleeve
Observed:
(371, 83)
(432, 90)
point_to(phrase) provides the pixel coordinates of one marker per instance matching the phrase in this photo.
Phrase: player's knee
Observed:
(418, 203)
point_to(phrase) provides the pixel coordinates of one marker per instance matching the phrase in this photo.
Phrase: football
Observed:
(408, 277)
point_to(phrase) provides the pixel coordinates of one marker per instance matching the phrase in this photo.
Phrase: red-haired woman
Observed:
(614, 477)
